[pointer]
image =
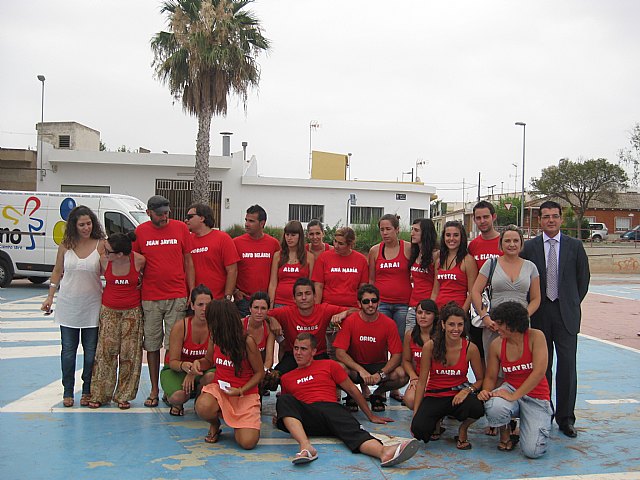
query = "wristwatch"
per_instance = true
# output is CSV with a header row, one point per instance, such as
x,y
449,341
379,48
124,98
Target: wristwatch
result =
x,y
383,376
229,297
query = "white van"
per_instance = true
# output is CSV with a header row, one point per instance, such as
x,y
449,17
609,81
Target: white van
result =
x,y
32,225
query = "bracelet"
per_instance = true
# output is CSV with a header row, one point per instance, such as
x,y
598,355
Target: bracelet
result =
x,y
54,285
485,315
472,389
181,369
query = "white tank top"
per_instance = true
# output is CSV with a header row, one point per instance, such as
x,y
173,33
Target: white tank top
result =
x,y
80,295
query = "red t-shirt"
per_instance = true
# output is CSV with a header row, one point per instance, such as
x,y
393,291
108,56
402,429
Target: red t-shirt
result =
x,y
448,376
392,276
341,276
453,286
482,250
516,372
164,248
211,253
254,267
422,283
262,345
416,355
225,371
287,276
122,292
293,323
191,351
368,342
315,383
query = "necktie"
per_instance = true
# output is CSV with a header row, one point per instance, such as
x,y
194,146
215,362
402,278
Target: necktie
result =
x,y
552,271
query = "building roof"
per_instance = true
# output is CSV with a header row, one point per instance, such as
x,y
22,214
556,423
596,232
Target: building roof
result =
x,y
624,201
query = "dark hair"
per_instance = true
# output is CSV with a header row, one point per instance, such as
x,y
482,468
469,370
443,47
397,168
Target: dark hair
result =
x,y
451,309
71,236
260,296
294,226
226,330
393,219
303,281
314,222
512,315
484,204
550,204
204,211
307,336
368,288
348,234
201,289
462,249
121,242
428,242
427,305
262,214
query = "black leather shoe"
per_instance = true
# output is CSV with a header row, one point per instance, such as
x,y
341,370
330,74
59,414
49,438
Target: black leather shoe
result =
x,y
569,430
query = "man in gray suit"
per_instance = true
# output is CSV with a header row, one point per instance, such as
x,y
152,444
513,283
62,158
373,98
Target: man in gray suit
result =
x,y
564,281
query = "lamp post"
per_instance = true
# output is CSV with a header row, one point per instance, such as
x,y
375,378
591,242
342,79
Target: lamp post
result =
x,y
524,132
42,172
313,125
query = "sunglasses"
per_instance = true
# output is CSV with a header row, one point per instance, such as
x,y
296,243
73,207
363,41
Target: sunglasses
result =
x,y
190,216
367,301
108,252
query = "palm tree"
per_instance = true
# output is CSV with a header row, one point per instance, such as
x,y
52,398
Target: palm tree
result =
x,y
209,51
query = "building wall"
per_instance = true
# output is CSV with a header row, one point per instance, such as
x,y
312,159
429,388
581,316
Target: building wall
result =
x,y
329,166
608,217
17,169
81,137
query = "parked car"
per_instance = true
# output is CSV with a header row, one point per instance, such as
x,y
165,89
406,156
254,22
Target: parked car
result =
x,y
598,231
632,235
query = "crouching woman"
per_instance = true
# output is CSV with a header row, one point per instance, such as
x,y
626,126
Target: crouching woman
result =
x,y
233,394
522,353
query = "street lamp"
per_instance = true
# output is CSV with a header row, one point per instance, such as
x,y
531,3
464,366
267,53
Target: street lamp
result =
x,y
42,172
313,125
524,132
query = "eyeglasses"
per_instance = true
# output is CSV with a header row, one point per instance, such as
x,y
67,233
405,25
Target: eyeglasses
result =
x,y
367,301
108,252
555,216
189,216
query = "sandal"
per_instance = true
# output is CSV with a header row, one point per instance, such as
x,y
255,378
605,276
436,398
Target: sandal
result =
x,y
436,436
67,402
176,411
124,405
377,403
506,446
304,456
165,400
397,396
151,402
462,444
350,404
93,404
491,431
213,437
84,400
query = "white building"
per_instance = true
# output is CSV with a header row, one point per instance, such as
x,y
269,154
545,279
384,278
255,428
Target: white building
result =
x,y
235,184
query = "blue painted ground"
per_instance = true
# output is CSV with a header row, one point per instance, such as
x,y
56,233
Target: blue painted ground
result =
x,y
41,439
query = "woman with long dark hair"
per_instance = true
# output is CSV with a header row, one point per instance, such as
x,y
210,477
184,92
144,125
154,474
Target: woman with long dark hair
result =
x,y
444,366
289,264
423,260
233,394
77,271
119,351
457,270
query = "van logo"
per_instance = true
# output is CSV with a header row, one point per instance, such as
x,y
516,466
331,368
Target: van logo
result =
x,y
35,224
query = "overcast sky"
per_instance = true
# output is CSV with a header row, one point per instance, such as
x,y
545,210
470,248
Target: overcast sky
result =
x,y
443,81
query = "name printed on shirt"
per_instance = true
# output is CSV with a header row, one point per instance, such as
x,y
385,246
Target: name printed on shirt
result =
x,y
518,368
448,372
390,265
419,270
367,339
200,250
192,353
291,269
256,254
486,256
224,362
344,270
417,354
121,282
301,328
447,276
304,379
165,241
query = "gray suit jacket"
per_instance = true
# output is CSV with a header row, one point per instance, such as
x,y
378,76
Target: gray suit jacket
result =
x,y
573,281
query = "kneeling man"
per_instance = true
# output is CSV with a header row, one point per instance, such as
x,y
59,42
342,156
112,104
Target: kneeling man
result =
x,y
308,406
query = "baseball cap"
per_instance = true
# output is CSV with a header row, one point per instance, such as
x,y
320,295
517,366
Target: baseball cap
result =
x,y
158,204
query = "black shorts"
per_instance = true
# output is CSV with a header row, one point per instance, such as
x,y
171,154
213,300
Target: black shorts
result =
x,y
289,363
371,368
323,419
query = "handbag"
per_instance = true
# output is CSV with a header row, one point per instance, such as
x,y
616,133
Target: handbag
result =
x,y
476,321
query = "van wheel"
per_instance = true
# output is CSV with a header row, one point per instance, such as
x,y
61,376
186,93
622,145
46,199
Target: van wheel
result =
x,y
597,238
5,274
38,280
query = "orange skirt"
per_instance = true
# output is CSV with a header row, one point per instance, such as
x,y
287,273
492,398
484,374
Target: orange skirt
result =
x,y
237,412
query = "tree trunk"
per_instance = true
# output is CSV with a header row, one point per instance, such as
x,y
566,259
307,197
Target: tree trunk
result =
x,y
200,192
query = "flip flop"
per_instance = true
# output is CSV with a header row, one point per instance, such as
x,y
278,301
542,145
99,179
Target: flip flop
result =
x,y
67,402
404,452
398,397
176,411
84,400
124,405
93,404
436,436
462,444
304,456
213,437
506,446
151,402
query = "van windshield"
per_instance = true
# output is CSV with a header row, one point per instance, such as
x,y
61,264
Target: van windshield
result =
x,y
140,217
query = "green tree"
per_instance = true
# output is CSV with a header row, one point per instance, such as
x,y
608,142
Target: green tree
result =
x,y
631,156
209,52
510,216
580,183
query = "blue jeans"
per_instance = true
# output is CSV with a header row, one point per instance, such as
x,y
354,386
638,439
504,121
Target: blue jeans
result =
x,y
243,307
70,339
411,319
396,311
535,419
